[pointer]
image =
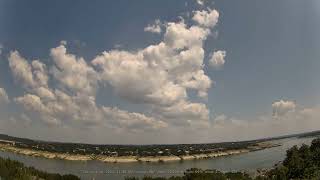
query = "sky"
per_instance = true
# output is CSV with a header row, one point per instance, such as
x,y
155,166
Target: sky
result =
x,y
154,72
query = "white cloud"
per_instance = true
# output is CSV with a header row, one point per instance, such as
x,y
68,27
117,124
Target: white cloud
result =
x,y
21,69
179,36
35,105
132,121
40,75
217,59
3,96
289,119
158,77
72,102
200,2
32,76
172,66
29,76
82,110
73,73
45,93
206,18
155,27
170,70
185,113
63,42
282,107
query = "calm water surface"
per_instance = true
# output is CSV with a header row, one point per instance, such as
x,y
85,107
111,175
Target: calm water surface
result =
x,y
101,171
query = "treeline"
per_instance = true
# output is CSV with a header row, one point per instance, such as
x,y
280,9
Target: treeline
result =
x,y
198,174
300,163
127,150
14,170
309,134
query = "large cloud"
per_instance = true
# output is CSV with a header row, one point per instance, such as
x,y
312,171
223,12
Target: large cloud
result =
x,y
72,101
73,73
82,110
185,113
24,73
33,77
159,76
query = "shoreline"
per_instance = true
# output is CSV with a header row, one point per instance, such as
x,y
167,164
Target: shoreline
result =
x,y
131,159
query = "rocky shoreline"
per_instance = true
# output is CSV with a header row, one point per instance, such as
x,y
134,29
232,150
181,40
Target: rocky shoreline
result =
x,y
129,159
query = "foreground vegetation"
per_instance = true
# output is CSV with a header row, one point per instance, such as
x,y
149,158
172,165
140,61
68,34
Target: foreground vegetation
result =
x,y
300,163
198,174
14,170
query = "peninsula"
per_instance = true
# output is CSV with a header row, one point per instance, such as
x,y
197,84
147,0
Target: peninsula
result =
x,y
128,153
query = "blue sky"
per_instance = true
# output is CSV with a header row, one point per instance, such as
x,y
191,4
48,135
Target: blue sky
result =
x,y
271,55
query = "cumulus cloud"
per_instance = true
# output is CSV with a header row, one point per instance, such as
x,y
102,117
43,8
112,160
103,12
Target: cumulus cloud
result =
x,y
73,73
159,77
154,28
30,76
200,2
33,77
282,107
185,113
172,66
132,121
217,59
290,118
179,36
63,42
206,18
60,108
34,104
3,96
72,100
81,110
21,69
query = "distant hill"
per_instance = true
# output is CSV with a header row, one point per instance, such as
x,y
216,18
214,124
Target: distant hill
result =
x,y
27,140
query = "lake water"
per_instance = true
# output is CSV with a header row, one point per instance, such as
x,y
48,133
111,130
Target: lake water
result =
x,y
101,171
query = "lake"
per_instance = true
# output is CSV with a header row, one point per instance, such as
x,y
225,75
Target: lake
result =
x,y
100,171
